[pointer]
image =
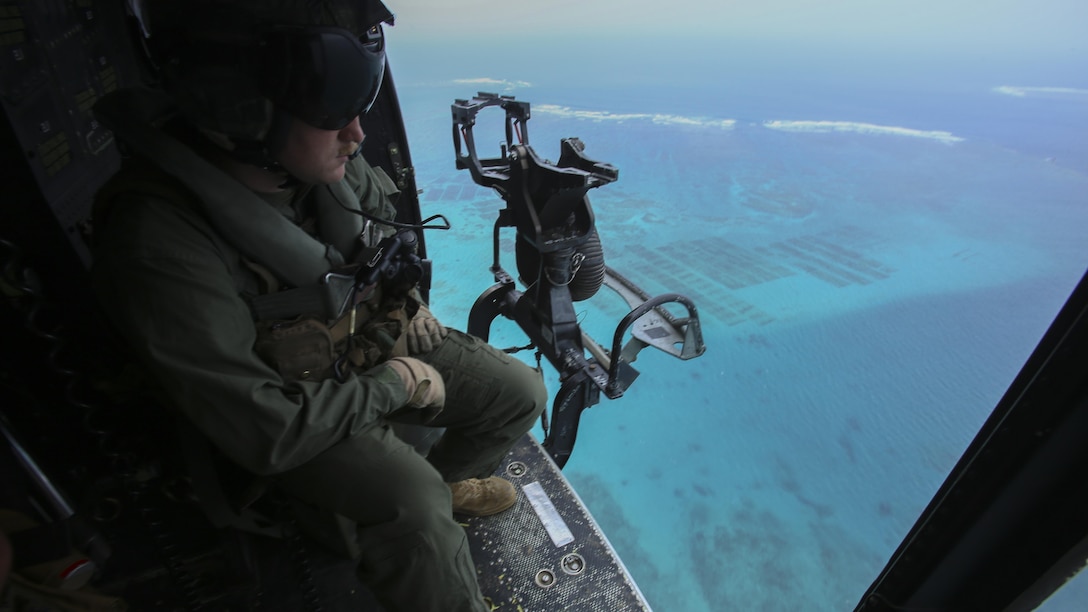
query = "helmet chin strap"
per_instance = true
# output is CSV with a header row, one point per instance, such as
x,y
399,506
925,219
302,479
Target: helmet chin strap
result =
x,y
289,181
274,142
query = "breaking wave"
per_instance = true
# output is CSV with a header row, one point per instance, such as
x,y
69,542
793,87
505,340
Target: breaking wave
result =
x,y
860,128
661,119
505,85
1024,92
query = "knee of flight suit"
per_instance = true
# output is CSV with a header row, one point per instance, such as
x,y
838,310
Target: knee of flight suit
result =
x,y
526,389
493,381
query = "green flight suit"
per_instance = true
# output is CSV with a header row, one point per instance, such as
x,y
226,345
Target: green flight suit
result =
x,y
176,289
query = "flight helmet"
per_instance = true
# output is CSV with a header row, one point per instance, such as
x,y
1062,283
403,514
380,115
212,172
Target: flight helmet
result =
x,y
244,68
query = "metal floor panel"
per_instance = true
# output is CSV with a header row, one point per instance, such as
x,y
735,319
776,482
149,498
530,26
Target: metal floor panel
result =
x,y
519,563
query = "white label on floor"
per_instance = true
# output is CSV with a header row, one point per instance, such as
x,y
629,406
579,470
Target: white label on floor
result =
x,y
553,523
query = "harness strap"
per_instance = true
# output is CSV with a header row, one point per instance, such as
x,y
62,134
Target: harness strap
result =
x,y
331,297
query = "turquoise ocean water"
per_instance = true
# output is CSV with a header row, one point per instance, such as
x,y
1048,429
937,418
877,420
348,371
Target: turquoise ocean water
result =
x,y
873,259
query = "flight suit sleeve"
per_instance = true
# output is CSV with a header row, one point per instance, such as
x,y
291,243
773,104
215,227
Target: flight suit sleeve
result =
x,y
165,280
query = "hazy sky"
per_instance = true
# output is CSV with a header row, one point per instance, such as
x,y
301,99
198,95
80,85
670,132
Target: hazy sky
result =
x,y
1053,26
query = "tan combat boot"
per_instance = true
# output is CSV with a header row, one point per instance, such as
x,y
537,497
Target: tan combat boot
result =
x,y
476,497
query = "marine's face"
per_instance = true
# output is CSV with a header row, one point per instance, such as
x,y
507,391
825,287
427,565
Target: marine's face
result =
x,y
313,155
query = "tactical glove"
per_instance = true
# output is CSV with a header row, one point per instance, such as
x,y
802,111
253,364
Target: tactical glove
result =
x,y
426,391
424,332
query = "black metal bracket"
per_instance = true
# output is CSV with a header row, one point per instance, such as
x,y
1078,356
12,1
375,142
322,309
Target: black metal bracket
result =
x,y
549,207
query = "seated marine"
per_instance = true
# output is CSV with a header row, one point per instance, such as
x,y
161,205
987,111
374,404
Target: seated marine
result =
x,y
227,253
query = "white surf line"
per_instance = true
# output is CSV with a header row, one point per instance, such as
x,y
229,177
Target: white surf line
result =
x,y
505,84
859,128
1023,92
658,118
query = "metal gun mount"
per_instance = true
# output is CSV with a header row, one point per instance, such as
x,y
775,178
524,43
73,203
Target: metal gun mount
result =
x,y
548,205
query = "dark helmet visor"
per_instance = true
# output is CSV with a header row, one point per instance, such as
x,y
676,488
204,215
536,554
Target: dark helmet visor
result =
x,y
324,76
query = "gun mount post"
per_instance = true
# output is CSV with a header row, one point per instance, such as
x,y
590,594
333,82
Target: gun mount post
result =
x,y
549,207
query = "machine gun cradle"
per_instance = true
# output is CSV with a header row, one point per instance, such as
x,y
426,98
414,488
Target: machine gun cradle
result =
x,y
548,205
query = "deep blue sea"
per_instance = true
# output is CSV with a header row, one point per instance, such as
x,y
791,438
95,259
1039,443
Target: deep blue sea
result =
x,y
875,247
